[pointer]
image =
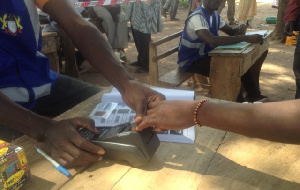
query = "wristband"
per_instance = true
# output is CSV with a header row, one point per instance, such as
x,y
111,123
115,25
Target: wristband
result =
x,y
196,112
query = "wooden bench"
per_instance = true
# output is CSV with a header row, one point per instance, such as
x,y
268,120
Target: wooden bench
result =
x,y
175,77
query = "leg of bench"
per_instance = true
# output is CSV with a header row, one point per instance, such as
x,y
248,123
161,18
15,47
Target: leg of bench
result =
x,y
201,81
153,65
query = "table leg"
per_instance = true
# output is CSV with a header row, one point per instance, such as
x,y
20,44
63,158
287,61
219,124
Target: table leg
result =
x,y
69,53
225,82
53,59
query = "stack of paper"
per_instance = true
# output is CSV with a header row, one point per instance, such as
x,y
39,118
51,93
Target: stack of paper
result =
x,y
260,32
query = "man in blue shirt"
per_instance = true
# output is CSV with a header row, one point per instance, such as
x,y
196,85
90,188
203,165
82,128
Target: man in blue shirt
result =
x,y
200,36
29,90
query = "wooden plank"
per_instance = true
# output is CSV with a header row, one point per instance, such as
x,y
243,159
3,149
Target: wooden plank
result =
x,y
252,164
153,65
167,38
175,78
167,53
225,82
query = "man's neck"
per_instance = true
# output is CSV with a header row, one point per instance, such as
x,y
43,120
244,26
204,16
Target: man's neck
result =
x,y
209,11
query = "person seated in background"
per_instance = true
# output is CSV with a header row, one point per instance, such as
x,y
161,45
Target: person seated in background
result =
x,y
200,36
115,26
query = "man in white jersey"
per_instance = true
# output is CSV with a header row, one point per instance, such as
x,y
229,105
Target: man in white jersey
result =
x,y
200,36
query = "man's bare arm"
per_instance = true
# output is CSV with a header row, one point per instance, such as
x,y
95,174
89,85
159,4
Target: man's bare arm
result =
x,y
274,121
20,119
214,41
90,42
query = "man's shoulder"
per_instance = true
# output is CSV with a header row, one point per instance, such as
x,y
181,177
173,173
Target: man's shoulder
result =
x,y
197,18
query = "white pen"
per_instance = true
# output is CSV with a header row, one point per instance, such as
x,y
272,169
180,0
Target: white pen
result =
x,y
54,163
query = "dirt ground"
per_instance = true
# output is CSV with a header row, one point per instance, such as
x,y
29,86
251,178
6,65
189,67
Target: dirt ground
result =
x,y
276,80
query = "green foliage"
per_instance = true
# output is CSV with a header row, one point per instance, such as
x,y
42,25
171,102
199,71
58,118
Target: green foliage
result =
x,y
184,3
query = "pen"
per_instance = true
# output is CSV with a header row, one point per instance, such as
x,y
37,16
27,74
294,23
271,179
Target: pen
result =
x,y
54,163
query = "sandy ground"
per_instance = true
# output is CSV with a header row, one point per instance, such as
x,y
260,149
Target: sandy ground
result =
x,y
276,80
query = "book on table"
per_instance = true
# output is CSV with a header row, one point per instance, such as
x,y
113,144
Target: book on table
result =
x,y
242,45
237,46
112,111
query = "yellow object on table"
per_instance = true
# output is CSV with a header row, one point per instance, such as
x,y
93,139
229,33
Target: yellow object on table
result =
x,y
14,170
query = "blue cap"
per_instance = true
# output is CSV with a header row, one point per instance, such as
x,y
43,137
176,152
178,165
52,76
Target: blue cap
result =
x,y
63,170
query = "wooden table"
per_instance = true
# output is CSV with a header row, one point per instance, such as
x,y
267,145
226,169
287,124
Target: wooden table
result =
x,y
217,160
49,49
227,67
68,49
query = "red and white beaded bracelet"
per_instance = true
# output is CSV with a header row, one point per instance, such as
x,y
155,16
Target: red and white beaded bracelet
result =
x,y
196,112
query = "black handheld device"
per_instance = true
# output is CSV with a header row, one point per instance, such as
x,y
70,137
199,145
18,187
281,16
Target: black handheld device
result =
x,y
120,143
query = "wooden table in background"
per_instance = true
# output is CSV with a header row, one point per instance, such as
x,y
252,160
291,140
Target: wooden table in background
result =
x,y
49,49
217,160
227,67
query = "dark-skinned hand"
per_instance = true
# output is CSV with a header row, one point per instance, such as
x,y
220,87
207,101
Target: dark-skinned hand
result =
x,y
137,96
164,115
67,147
256,38
289,28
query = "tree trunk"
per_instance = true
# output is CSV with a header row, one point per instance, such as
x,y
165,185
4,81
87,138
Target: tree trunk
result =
x,y
278,33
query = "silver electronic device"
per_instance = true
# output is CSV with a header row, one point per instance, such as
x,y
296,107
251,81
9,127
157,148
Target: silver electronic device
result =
x,y
120,143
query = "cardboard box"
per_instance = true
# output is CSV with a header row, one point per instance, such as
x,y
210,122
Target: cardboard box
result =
x,y
14,170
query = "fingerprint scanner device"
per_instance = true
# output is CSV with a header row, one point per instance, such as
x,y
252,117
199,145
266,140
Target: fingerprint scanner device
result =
x,y
120,143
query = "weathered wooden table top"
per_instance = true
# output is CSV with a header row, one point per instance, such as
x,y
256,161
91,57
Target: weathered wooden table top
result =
x,y
217,160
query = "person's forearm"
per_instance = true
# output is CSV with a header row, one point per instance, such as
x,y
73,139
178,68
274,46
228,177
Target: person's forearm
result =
x,y
101,56
20,119
227,40
278,121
